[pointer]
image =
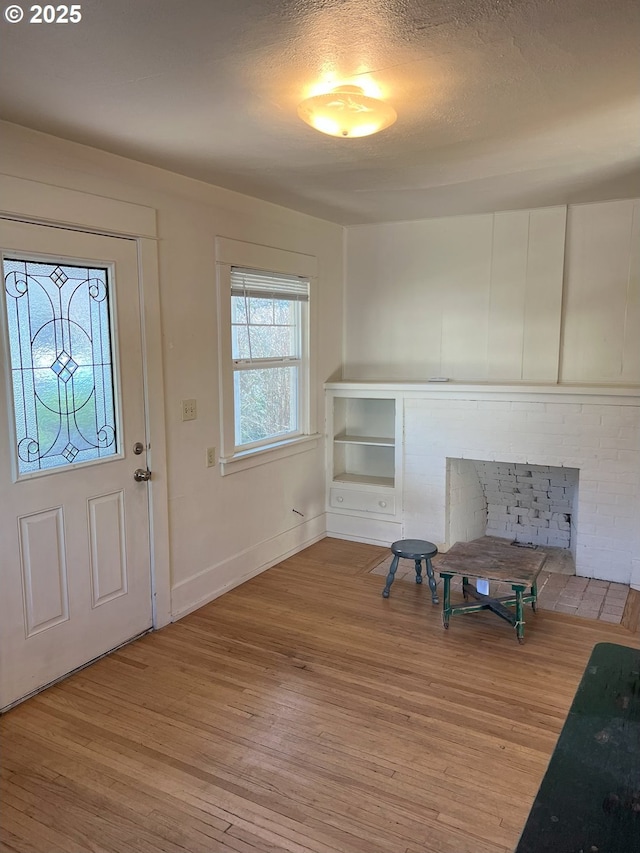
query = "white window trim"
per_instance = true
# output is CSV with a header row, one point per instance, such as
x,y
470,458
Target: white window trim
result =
x,y
250,255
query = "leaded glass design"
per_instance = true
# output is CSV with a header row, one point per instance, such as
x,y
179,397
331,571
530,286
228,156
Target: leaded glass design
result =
x,y
61,363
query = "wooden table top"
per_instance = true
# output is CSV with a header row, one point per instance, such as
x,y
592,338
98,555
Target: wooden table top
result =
x,y
494,559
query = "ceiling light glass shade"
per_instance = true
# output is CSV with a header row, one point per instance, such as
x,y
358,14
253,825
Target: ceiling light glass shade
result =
x,y
346,111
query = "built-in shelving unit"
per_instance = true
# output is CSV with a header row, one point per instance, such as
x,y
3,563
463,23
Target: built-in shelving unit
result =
x,y
362,465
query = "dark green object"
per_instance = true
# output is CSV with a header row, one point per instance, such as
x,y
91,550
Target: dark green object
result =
x,y
589,799
492,559
416,550
499,606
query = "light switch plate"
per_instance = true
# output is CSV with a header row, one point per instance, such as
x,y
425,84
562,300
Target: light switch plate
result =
x,y
211,457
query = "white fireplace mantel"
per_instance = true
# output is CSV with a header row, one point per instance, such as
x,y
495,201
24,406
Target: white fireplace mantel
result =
x,y
620,395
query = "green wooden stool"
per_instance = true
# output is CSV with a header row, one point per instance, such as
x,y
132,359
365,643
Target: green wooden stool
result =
x,y
416,550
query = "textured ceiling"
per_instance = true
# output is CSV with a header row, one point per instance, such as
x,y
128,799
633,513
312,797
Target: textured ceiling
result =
x,y
501,104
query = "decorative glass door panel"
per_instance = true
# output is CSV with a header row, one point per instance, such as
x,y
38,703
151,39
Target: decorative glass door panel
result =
x,y
59,323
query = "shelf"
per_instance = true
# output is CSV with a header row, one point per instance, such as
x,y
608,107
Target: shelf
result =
x,y
371,440
365,479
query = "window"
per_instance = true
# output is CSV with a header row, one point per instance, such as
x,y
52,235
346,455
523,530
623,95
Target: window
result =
x,y
266,347
268,350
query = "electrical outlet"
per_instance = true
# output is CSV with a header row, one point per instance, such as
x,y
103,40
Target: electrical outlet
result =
x,y
211,457
189,411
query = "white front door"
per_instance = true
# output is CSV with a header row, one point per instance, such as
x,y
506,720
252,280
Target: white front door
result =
x,y
74,524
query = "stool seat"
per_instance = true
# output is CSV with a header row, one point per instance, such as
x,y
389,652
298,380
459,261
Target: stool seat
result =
x,y
416,550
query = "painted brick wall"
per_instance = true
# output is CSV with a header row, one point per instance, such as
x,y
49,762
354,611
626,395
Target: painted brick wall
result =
x,y
529,503
602,441
467,504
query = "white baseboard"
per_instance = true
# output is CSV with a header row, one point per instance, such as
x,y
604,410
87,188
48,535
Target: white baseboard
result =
x,y
190,594
348,538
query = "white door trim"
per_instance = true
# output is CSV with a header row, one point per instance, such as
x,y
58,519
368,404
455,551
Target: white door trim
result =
x,y
45,204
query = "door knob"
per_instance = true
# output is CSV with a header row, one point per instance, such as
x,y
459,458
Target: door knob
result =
x,y
141,475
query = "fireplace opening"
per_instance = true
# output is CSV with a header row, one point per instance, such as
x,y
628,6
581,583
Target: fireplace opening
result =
x,y
530,505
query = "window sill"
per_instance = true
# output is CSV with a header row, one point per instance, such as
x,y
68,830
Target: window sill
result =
x,y
270,453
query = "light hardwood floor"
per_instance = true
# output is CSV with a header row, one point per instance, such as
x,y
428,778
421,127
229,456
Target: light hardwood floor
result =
x,y
301,713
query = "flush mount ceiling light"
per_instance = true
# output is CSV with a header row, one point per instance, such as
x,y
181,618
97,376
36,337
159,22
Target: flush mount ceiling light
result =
x,y
346,111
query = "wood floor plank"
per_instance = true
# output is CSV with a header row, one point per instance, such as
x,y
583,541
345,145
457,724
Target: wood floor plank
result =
x,y
299,713
631,614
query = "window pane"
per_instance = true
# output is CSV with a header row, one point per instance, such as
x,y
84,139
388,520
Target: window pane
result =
x,y
61,364
238,309
260,311
284,311
271,329
272,342
266,403
240,342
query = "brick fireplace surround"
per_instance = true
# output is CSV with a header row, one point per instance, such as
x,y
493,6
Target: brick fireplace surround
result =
x,y
593,430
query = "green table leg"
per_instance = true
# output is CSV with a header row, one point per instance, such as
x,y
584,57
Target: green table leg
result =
x,y
446,598
534,593
519,590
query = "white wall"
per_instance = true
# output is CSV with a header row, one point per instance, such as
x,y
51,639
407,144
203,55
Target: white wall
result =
x,y
490,297
222,529
601,335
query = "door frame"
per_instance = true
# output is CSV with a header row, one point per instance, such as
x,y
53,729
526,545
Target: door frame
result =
x,y
44,204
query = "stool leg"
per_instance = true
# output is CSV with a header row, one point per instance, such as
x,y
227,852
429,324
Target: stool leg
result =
x,y
418,571
391,576
432,581
534,593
